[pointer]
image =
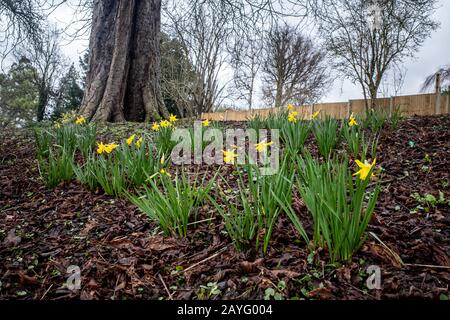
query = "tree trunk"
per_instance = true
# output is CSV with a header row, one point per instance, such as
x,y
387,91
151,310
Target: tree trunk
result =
x,y
42,102
123,82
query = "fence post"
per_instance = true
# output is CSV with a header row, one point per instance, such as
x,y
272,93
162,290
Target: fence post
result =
x,y
226,115
438,103
391,106
312,110
349,108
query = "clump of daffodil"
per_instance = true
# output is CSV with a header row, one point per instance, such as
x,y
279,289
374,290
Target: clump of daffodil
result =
x,y
315,114
106,148
131,139
173,118
364,168
80,120
57,125
262,146
155,126
292,116
290,107
352,121
68,117
165,124
229,156
205,123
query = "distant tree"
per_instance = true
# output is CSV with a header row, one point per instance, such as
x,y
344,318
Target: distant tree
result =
x,y
246,60
178,77
444,77
294,70
83,63
69,94
48,61
367,38
19,95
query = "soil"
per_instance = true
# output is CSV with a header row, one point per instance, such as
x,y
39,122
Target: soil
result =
x,y
121,255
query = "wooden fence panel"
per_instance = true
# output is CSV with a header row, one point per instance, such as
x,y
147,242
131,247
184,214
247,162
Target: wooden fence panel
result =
x,y
419,104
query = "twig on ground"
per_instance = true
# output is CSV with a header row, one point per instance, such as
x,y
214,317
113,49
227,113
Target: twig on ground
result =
x,y
165,287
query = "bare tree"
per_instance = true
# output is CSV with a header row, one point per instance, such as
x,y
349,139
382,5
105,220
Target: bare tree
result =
x,y
20,20
294,70
367,38
246,60
203,33
48,61
178,77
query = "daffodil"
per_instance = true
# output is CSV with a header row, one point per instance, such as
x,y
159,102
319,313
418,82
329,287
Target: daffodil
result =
x,y
262,146
290,107
111,147
163,171
138,142
80,120
205,123
131,139
101,148
229,156
315,114
163,160
173,118
165,124
155,126
57,125
364,168
352,121
292,117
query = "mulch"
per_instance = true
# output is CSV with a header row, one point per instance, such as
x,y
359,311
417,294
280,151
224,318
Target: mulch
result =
x,y
122,255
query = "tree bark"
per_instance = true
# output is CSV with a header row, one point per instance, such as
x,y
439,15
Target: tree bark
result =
x,y
123,81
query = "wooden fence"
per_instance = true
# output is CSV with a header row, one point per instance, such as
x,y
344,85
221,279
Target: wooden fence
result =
x,y
420,105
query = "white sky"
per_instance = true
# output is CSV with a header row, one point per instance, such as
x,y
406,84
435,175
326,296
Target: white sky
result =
x,y
433,54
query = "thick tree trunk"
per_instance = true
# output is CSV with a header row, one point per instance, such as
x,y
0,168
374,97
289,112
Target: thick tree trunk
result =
x,y
123,82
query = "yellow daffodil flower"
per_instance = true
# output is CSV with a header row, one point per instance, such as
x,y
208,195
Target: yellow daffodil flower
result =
x,y
290,107
131,139
101,148
364,168
165,124
292,117
57,125
205,123
138,143
262,146
163,171
352,121
173,118
111,147
155,126
229,156
315,114
80,120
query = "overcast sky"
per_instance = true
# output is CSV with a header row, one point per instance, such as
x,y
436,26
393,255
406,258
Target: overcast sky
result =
x,y
433,54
